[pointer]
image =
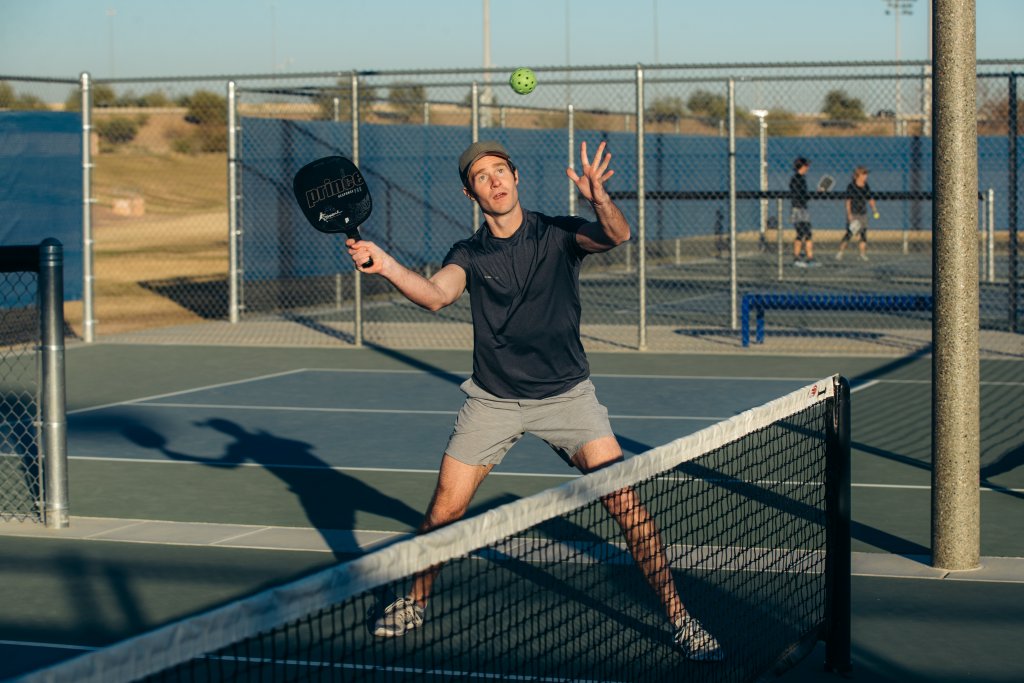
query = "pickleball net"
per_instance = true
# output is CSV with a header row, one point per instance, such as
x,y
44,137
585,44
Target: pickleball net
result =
x,y
753,515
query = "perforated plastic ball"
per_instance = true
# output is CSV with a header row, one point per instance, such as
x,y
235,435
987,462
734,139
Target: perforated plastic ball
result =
x,y
523,81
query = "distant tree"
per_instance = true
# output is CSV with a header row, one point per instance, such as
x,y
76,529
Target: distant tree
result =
x,y
338,98
117,130
9,99
783,123
994,114
468,99
840,106
208,111
207,108
102,95
708,104
155,98
407,99
26,101
666,109
6,95
73,102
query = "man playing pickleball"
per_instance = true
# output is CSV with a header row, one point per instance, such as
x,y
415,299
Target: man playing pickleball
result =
x,y
530,372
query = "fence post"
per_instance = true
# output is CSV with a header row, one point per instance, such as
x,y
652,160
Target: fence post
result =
x,y
956,425
641,218
234,286
571,129
53,416
88,278
357,324
474,116
1011,200
990,241
733,322
779,237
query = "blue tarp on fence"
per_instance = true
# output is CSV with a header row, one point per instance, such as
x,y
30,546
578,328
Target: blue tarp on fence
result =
x,y
419,209
41,187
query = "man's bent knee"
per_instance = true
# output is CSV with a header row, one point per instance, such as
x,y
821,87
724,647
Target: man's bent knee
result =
x,y
597,454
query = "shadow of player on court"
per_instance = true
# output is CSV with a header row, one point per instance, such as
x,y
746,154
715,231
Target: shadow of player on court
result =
x,y
329,497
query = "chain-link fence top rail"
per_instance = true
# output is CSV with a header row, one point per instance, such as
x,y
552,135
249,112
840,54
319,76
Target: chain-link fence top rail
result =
x,y
170,266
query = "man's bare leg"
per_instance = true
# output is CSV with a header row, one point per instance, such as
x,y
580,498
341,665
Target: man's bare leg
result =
x,y
648,550
457,483
642,535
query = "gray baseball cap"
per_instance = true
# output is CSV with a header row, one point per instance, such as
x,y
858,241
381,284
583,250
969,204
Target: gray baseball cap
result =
x,y
479,149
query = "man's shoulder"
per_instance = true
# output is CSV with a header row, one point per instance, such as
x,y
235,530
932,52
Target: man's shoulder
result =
x,y
567,223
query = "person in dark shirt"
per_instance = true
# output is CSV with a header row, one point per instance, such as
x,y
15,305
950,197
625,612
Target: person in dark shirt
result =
x,y
800,215
858,198
530,373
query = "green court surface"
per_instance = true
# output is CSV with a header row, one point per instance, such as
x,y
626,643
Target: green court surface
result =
x,y
154,537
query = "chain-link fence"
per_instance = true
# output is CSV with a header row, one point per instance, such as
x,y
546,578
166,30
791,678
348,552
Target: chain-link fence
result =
x,y
33,425
196,238
20,476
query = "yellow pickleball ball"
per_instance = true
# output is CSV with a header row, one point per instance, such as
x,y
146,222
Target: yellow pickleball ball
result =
x,y
523,81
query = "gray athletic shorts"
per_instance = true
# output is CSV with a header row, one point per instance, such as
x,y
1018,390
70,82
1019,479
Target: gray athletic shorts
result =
x,y
487,426
801,220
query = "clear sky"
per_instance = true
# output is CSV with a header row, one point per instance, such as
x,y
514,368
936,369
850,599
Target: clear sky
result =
x,y
138,38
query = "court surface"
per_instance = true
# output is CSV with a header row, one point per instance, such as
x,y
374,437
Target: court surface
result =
x,y
200,474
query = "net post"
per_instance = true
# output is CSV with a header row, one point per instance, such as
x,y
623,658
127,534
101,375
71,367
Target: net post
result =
x,y
52,408
837,558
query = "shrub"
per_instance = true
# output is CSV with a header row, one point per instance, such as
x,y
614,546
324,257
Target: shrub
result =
x,y
117,130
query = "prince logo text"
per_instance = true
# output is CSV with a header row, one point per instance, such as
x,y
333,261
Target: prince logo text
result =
x,y
333,188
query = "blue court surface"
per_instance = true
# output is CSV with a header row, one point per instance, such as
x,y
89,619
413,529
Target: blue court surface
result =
x,y
398,420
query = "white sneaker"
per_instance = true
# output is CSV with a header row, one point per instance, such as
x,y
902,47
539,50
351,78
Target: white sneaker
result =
x,y
399,617
696,642
864,257
839,256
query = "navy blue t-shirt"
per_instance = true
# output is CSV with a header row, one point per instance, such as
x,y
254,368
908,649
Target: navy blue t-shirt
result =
x,y
525,299
799,194
859,197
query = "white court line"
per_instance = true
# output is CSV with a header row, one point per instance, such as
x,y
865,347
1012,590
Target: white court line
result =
x,y
926,487
285,466
984,383
185,391
52,646
295,409
598,374
395,411
854,390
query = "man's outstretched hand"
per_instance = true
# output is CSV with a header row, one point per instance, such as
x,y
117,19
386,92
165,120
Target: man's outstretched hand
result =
x,y
591,183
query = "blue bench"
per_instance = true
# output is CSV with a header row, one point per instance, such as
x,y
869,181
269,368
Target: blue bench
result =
x,y
759,303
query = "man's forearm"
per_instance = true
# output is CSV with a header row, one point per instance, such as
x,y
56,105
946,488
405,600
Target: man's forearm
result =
x,y
612,222
414,286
